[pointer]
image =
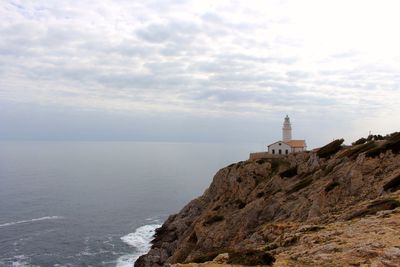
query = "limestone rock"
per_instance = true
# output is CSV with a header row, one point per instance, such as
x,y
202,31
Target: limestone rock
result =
x,y
334,210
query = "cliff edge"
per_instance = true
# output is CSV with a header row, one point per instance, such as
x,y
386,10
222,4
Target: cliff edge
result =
x,y
337,206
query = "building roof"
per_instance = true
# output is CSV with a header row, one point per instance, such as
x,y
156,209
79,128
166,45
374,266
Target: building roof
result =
x,y
278,142
296,143
292,143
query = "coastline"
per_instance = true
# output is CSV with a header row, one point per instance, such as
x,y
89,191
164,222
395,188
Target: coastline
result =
x,y
295,210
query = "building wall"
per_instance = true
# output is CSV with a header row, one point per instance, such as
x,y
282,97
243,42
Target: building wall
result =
x,y
284,149
262,155
298,149
286,134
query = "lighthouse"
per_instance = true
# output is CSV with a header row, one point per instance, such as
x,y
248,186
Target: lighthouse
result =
x,y
283,147
286,130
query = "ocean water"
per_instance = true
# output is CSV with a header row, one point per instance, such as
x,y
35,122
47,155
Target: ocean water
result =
x,y
97,203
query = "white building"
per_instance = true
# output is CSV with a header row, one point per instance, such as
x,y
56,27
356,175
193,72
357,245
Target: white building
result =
x,y
287,145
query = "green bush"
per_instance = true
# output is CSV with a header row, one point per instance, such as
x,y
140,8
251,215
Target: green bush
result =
x,y
330,149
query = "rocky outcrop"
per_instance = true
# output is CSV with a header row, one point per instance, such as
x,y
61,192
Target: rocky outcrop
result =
x,y
310,208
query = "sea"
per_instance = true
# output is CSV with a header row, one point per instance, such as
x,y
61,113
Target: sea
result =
x,y
98,203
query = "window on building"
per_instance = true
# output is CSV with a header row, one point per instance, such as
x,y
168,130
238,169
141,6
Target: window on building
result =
x,y
287,151
273,151
280,151
280,144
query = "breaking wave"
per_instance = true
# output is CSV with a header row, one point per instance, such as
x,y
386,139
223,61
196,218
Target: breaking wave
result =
x,y
31,220
140,241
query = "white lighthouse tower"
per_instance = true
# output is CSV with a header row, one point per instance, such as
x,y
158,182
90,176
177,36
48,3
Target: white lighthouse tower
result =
x,y
286,130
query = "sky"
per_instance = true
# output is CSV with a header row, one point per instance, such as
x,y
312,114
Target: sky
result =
x,y
198,71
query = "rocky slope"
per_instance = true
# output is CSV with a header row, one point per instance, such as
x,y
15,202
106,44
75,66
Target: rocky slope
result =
x,y
338,206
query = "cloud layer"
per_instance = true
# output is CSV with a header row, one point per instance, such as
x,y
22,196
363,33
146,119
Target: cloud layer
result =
x,y
250,59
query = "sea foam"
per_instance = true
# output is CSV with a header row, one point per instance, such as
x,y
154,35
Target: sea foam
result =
x,y
31,220
140,240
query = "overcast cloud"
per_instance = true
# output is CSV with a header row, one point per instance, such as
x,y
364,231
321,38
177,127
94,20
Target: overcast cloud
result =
x,y
198,70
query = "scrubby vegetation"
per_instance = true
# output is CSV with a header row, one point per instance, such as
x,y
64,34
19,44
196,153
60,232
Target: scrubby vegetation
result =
x,y
330,149
329,187
370,137
205,257
384,204
276,164
375,137
260,194
213,219
261,161
358,149
392,143
240,204
216,207
374,207
360,141
312,228
251,258
393,184
289,172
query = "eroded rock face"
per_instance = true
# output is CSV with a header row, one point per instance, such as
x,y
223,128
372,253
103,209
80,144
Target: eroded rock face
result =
x,y
255,205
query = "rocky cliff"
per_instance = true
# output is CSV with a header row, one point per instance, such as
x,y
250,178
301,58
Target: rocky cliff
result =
x,y
337,206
